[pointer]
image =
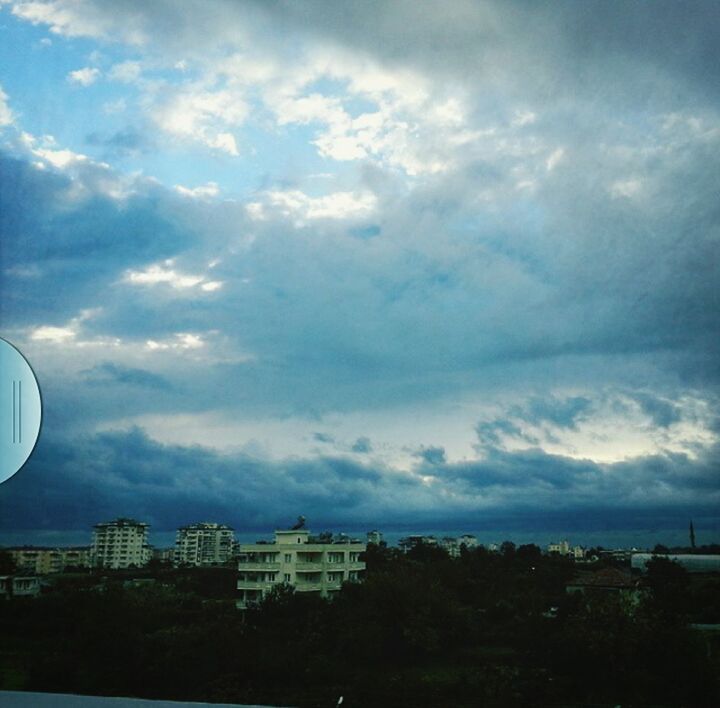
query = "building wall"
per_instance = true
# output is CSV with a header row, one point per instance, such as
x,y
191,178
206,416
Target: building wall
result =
x,y
43,560
204,544
120,544
308,567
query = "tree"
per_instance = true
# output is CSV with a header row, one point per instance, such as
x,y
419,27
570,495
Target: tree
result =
x,y
7,564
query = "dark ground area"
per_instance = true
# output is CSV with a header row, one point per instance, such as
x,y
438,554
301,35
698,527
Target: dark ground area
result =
x,y
422,630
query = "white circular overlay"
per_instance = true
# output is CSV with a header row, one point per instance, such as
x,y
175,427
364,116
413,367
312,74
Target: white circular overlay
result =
x,y
20,410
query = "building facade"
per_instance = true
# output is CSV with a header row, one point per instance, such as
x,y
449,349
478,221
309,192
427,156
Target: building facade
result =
x,y
43,560
204,544
292,560
120,544
19,586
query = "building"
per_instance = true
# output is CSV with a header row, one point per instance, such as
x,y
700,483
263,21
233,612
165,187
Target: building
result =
x,y
561,548
606,580
409,542
19,586
204,544
454,546
291,559
43,560
120,544
375,537
166,556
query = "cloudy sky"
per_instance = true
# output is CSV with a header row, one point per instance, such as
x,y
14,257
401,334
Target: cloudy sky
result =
x,y
377,263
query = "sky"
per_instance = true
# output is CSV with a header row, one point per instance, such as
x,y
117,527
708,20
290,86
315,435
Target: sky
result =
x,y
441,264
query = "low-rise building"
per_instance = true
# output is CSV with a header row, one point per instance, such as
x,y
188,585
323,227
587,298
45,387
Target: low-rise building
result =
x,y
164,555
19,586
410,542
204,544
44,560
375,537
120,544
561,548
291,559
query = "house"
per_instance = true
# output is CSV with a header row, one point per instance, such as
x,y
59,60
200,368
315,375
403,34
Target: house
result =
x,y
603,580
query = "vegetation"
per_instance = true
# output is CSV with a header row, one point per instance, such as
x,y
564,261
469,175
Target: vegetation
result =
x,y
422,630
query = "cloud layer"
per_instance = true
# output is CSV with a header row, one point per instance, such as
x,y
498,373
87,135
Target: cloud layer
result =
x,y
457,262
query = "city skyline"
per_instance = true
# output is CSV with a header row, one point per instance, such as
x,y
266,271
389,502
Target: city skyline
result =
x,y
438,268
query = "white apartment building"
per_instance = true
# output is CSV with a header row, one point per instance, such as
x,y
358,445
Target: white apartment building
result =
x,y
291,559
120,544
204,544
562,548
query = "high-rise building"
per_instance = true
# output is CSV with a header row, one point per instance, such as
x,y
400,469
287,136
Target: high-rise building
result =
x,y
292,560
120,544
204,544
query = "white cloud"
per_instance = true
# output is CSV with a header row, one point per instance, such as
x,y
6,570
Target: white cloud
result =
x,y
77,18
297,204
194,113
6,116
210,189
181,340
84,77
60,158
166,274
126,72
65,334
53,334
554,159
626,188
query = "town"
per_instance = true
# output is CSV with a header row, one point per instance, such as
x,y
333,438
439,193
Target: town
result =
x,y
214,619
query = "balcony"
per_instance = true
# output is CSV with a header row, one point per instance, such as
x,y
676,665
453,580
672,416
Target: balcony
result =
x,y
258,566
255,584
308,587
308,567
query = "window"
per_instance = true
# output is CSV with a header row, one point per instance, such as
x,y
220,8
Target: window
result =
x,y
288,557
287,577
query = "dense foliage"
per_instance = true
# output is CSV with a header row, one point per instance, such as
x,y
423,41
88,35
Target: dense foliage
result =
x,y
422,630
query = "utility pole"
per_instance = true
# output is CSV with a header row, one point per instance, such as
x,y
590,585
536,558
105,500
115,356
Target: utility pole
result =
x,y
692,535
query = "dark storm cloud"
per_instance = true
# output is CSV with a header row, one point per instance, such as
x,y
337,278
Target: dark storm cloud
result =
x,y
565,413
78,247
432,455
74,483
362,445
108,372
129,141
547,48
662,412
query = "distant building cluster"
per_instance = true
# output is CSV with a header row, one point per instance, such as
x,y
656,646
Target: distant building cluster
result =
x,y
295,558
452,546
563,548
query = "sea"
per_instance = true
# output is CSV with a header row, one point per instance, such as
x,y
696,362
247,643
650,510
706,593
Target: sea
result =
x,y
639,539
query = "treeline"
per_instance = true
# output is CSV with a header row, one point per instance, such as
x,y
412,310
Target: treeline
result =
x,y
423,629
